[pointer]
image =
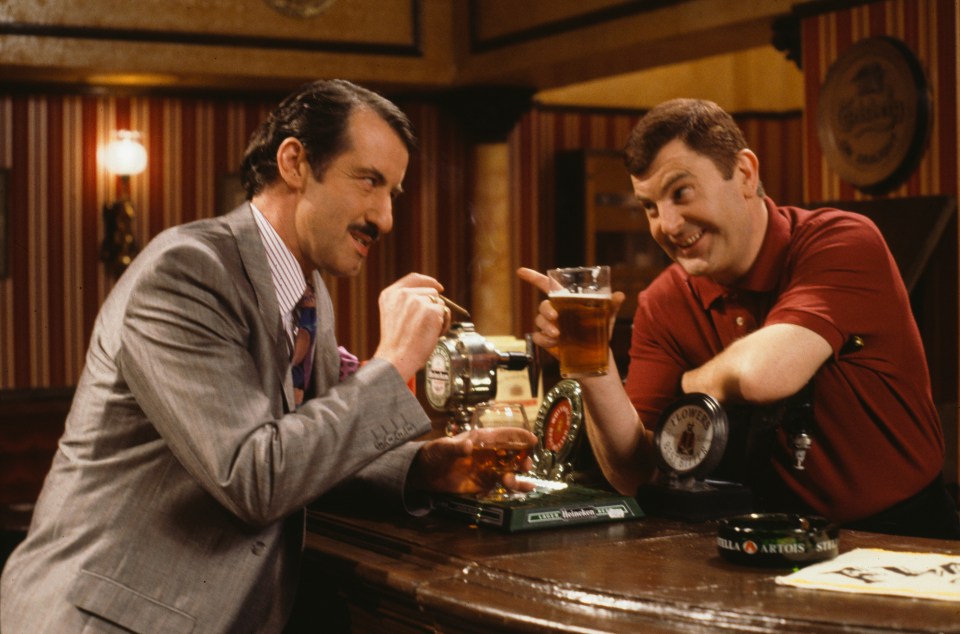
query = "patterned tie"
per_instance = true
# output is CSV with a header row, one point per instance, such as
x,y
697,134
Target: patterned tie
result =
x,y
302,359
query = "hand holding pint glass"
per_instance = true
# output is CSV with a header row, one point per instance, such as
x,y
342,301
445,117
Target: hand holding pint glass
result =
x,y
581,296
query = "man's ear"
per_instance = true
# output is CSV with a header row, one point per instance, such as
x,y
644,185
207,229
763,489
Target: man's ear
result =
x,y
748,171
292,163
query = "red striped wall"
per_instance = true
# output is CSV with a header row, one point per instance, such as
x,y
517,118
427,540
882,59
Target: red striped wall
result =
x,y
48,146
56,283
929,28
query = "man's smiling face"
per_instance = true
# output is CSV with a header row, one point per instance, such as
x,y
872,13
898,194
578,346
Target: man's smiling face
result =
x,y
701,219
339,217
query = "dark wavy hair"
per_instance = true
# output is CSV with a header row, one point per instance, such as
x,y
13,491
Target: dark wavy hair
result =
x,y
702,125
316,115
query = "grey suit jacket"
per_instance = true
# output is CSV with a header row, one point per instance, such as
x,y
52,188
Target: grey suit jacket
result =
x,y
175,500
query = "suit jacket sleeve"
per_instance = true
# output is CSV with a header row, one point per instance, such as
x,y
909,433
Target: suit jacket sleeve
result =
x,y
209,371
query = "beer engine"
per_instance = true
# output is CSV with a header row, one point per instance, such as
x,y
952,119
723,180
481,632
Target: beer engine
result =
x,y
692,438
689,442
461,374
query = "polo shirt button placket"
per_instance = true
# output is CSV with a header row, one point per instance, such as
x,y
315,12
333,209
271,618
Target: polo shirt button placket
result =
x,y
743,325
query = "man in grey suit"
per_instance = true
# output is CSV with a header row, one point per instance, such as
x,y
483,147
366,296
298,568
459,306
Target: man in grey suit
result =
x,y
175,501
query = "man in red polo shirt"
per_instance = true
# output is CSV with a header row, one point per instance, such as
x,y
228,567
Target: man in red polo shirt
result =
x,y
761,302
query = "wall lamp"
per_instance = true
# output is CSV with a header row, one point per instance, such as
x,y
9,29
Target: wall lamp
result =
x,y
124,157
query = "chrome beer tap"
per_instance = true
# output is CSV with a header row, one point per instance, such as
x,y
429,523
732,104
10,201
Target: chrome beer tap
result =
x,y
462,373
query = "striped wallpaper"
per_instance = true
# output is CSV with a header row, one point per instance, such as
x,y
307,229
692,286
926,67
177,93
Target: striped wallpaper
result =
x,y
48,142
56,192
55,282
929,28
534,144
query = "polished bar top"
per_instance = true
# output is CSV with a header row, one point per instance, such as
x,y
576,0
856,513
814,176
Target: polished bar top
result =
x,y
644,575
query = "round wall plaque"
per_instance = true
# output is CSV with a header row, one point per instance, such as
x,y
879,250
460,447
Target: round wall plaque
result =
x,y
874,114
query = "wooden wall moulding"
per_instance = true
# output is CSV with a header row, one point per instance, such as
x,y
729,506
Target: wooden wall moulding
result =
x,y
401,44
498,23
300,8
375,23
31,423
245,44
488,114
874,114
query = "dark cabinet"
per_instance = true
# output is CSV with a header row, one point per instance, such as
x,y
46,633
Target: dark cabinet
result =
x,y
598,221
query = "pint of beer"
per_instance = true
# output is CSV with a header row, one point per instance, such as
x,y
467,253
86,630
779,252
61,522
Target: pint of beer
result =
x,y
581,296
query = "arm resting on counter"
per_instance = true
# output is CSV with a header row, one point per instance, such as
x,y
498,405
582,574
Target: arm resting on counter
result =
x,y
765,366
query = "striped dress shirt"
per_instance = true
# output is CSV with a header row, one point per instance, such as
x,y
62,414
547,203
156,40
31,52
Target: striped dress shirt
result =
x,y
288,279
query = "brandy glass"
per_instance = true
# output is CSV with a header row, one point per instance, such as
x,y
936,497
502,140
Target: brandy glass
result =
x,y
504,452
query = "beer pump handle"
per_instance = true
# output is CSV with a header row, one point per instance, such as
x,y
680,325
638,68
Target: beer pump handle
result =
x,y
520,360
514,360
533,369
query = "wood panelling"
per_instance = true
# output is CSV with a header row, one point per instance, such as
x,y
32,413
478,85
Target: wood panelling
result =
x,y
57,189
355,23
31,422
534,144
549,48
421,44
237,44
498,23
758,79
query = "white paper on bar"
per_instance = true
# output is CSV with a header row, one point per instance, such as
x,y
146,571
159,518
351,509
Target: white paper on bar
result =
x,y
876,571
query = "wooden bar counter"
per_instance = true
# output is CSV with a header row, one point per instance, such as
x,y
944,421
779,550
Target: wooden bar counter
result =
x,y
388,573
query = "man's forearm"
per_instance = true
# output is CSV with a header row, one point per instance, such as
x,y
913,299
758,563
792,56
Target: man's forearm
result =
x,y
621,443
765,366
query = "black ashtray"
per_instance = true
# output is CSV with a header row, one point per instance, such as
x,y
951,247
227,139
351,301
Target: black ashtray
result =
x,y
777,540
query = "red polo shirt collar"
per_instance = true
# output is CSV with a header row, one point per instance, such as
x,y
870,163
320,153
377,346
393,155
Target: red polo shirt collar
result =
x,y
764,275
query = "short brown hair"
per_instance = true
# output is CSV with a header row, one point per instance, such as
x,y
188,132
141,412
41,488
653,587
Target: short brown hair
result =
x,y
317,115
702,125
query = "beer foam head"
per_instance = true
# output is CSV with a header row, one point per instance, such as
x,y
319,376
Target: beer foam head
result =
x,y
566,293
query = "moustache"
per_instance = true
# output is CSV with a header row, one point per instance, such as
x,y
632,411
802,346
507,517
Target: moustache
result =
x,y
369,229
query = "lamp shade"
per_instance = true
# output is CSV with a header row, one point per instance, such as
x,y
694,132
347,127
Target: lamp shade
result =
x,y
125,155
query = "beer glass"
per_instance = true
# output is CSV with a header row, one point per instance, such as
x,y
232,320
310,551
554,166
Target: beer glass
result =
x,y
494,459
581,297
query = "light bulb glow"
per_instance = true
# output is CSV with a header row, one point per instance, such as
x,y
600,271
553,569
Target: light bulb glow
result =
x,y
125,155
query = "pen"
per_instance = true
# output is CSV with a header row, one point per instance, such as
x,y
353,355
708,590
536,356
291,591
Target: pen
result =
x,y
452,305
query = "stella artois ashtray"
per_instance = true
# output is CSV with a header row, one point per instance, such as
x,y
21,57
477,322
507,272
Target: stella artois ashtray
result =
x,y
777,540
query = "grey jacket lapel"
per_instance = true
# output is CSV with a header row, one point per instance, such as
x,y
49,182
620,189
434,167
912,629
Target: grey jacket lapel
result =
x,y
326,356
257,269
